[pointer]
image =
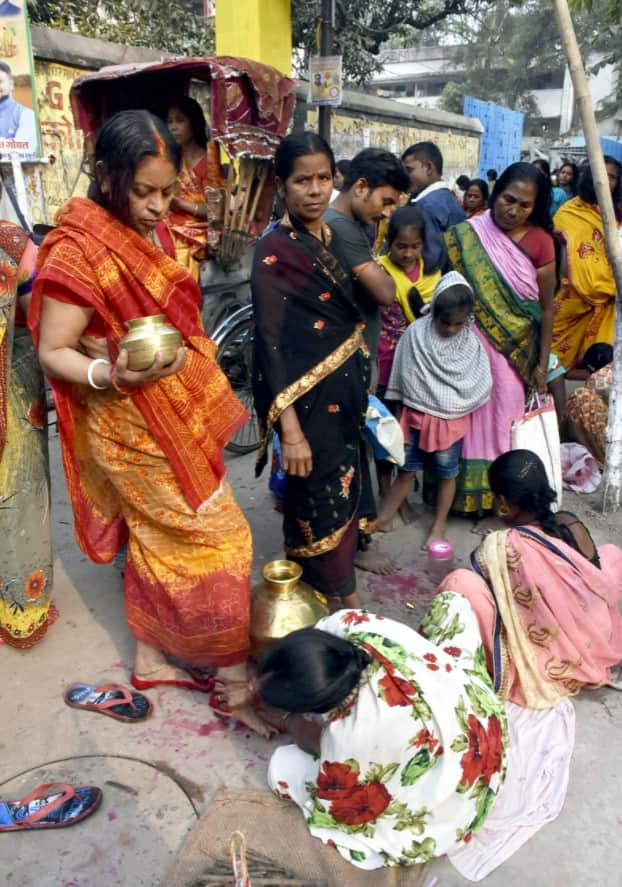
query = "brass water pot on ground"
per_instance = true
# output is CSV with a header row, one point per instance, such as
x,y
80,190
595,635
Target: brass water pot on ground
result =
x,y
147,336
281,604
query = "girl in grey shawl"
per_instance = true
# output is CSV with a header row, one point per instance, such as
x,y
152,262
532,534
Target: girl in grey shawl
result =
x,y
440,375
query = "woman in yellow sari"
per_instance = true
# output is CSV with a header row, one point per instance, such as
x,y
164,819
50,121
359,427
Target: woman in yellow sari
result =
x,y
585,301
200,169
143,450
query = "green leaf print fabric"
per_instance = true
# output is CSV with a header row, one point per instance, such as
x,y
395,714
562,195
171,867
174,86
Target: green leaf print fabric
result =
x,y
412,768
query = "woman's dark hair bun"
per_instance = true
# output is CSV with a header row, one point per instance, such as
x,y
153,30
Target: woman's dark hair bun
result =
x,y
310,670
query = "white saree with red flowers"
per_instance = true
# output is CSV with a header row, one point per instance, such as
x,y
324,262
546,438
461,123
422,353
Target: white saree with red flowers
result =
x,y
409,769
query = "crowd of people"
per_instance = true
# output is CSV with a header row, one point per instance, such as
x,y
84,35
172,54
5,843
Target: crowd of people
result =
x,y
404,741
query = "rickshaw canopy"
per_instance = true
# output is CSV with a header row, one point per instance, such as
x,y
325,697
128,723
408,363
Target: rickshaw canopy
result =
x,y
251,104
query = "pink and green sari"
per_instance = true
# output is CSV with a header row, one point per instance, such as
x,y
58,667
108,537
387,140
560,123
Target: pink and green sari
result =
x,y
548,616
507,320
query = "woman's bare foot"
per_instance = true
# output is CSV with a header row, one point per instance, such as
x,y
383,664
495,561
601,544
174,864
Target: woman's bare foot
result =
x,y
252,719
165,672
387,526
436,534
235,694
234,699
406,512
151,664
375,561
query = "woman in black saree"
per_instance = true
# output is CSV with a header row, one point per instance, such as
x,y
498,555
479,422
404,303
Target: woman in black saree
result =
x,y
311,372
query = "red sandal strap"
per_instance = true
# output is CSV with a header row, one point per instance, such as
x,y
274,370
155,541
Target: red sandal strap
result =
x,y
39,793
125,699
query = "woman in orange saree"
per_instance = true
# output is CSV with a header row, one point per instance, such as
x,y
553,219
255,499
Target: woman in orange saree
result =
x,y
143,450
546,598
200,169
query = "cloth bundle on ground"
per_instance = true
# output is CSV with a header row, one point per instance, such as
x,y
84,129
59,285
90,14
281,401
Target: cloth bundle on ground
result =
x,y
579,468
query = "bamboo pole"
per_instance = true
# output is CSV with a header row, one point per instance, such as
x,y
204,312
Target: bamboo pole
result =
x,y
612,480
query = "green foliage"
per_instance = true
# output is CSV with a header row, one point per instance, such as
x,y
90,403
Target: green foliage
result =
x,y
452,97
609,10
363,26
501,49
606,39
173,27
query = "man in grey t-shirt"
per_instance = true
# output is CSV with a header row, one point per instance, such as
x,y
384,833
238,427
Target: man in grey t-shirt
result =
x,y
372,189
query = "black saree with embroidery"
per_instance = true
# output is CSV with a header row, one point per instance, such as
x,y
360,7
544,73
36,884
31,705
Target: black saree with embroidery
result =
x,y
309,353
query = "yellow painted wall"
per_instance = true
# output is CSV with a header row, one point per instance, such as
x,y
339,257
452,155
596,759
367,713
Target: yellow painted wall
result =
x,y
256,29
349,135
60,139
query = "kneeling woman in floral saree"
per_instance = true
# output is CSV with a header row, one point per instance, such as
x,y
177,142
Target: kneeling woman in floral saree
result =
x,y
408,753
546,598
311,372
143,450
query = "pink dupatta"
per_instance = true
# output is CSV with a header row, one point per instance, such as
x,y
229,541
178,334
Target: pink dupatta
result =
x,y
549,618
509,260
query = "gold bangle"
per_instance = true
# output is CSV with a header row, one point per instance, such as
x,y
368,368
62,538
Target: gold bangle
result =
x,y
293,443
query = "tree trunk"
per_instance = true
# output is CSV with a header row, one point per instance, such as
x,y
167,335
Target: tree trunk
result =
x,y
612,480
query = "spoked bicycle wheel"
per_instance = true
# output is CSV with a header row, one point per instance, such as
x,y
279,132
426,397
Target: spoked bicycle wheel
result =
x,y
235,358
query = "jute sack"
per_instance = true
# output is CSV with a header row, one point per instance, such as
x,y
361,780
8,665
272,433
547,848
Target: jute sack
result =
x,y
280,851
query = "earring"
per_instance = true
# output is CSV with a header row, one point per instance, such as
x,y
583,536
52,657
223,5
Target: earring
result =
x,y
503,511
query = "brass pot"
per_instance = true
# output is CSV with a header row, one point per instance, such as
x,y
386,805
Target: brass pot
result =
x,y
281,604
147,336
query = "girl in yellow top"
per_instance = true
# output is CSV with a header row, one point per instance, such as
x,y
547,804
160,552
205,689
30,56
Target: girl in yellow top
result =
x,y
414,286
414,283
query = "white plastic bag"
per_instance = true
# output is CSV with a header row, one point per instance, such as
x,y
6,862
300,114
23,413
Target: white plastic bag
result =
x,y
384,433
538,431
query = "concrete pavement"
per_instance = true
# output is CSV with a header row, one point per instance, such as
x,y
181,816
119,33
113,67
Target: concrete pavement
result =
x,y
158,776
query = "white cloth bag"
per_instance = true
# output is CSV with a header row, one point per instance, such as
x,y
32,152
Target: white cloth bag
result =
x,y
538,431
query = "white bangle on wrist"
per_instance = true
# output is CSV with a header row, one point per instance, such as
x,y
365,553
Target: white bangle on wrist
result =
x,y
89,373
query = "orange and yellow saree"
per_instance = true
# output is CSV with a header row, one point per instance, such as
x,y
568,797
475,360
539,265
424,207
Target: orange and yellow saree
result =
x,y
189,232
149,464
585,302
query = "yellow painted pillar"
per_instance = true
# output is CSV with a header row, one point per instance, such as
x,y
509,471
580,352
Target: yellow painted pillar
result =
x,y
256,29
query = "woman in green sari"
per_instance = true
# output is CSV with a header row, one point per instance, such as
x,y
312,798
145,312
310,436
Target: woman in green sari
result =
x,y
26,551
508,256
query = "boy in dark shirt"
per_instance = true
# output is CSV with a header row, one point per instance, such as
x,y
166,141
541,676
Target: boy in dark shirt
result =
x,y
424,164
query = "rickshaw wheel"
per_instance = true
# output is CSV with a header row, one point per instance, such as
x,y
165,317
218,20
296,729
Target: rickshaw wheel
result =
x,y
235,358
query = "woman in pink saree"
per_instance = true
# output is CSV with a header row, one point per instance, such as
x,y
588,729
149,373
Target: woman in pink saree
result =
x,y
546,598
508,256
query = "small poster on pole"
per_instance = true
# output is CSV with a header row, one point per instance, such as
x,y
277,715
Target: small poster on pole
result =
x,y
325,84
19,130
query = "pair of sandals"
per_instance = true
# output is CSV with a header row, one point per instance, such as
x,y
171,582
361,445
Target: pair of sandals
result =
x,y
58,804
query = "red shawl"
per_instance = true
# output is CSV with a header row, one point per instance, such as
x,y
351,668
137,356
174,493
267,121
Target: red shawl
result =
x,y
121,275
